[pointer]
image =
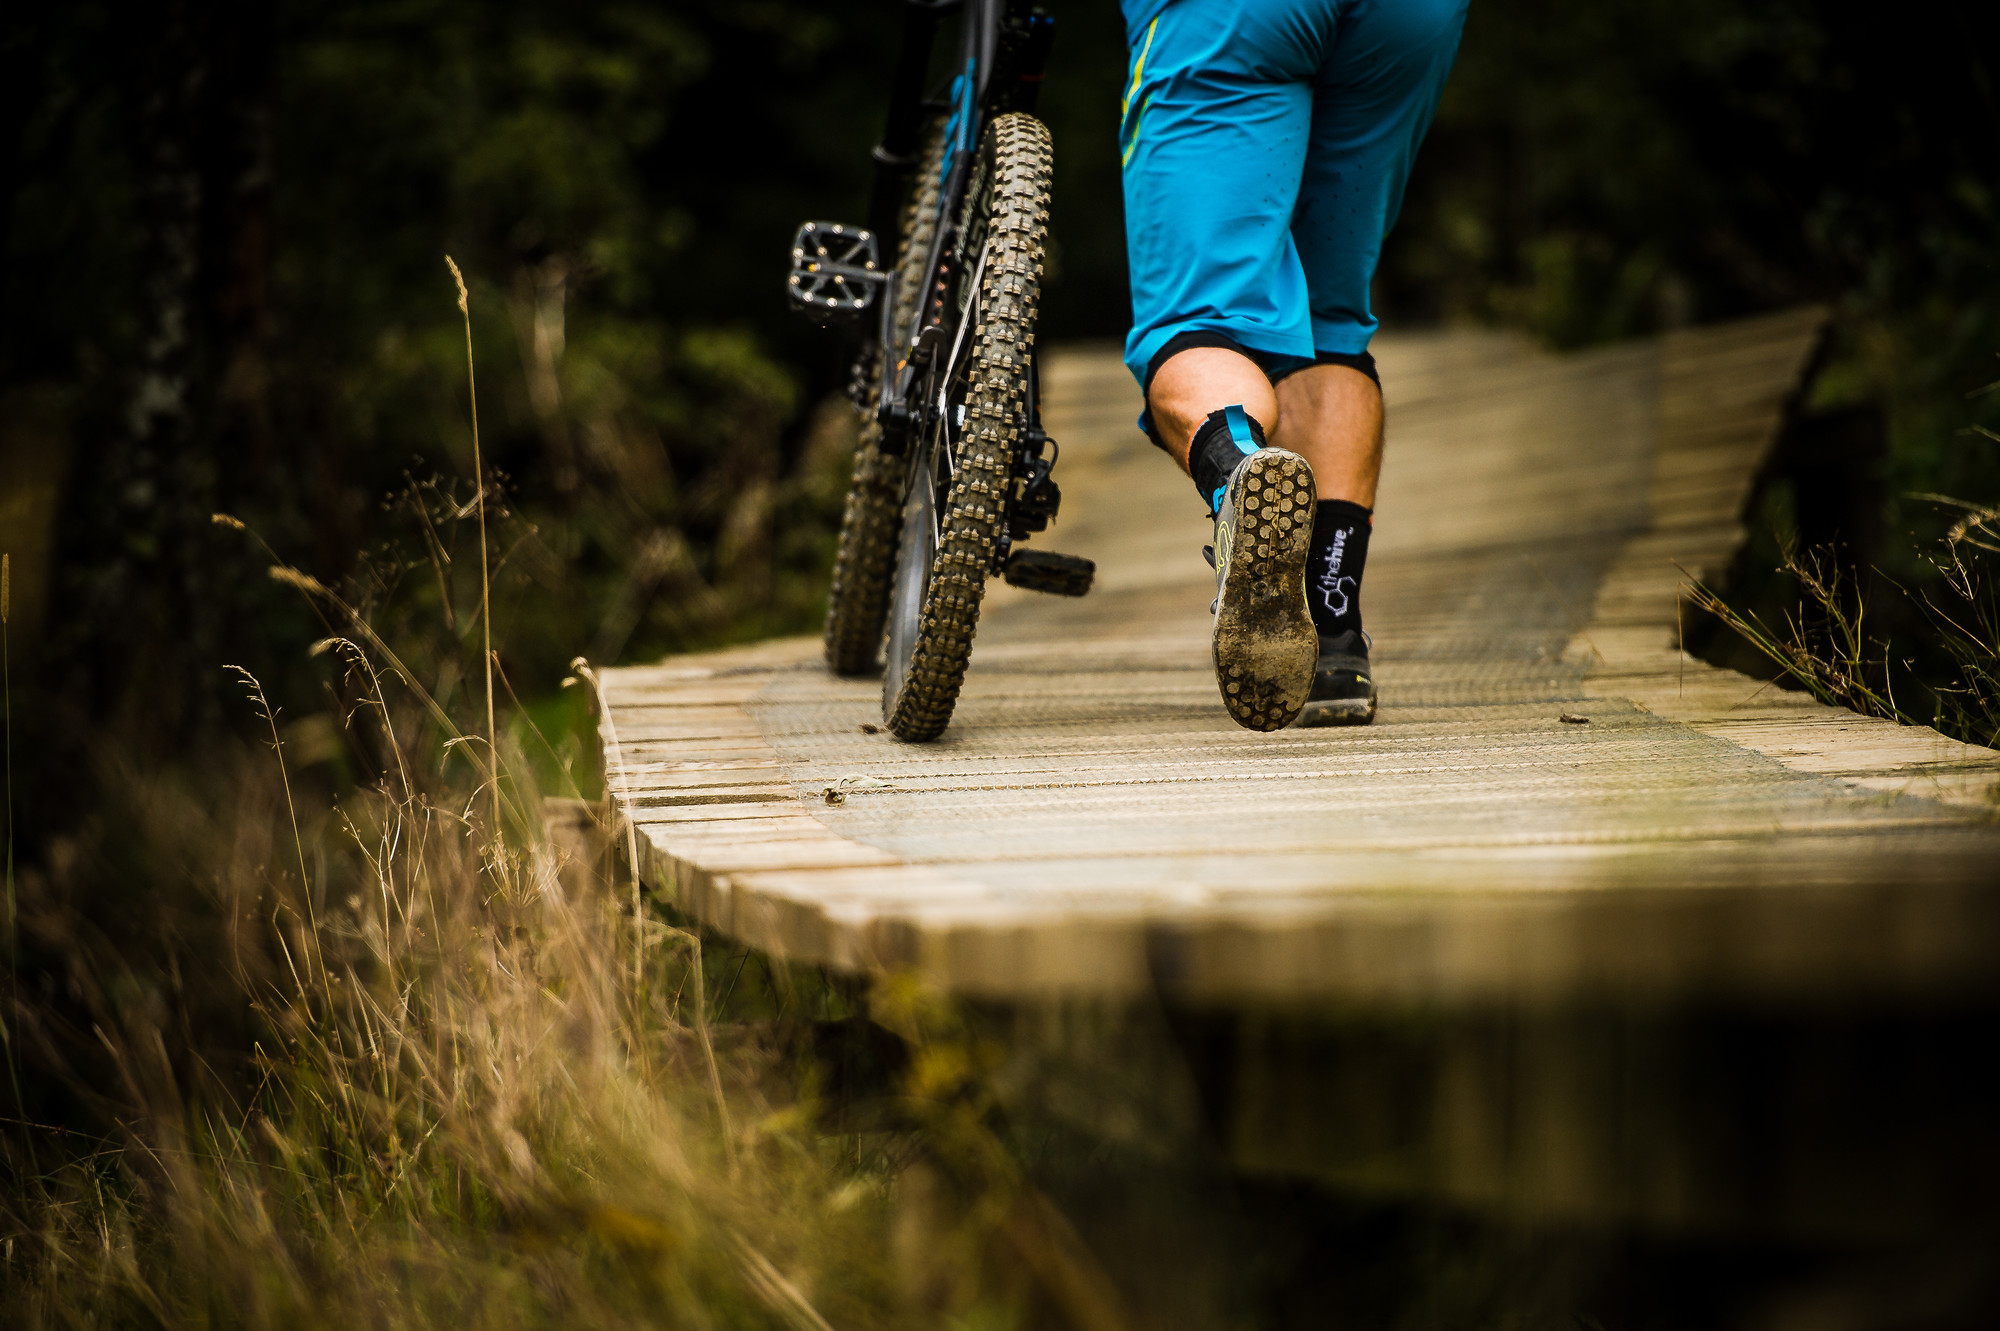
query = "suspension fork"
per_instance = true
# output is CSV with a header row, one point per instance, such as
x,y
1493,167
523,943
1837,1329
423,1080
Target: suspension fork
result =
x,y
1002,45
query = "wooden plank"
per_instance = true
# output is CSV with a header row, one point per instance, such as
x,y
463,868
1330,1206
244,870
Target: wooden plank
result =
x,y
1092,823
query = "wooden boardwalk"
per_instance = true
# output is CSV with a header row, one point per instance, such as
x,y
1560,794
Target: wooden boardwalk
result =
x,y
1093,823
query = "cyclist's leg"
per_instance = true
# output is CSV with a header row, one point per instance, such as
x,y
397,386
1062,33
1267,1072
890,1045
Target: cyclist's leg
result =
x,y
1331,415
1197,381
1217,113
1373,101
1217,116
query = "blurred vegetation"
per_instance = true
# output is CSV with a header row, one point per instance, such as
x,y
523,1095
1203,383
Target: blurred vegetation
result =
x,y
1599,171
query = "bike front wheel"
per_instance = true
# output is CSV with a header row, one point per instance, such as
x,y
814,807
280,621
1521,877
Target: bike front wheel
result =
x,y
961,470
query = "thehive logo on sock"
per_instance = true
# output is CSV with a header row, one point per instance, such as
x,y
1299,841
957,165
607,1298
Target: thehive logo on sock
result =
x,y
1336,591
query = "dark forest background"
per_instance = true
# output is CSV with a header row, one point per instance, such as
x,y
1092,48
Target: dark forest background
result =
x,y
224,287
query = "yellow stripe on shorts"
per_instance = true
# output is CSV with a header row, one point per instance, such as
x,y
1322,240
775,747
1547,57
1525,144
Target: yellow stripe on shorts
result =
x,y
1125,105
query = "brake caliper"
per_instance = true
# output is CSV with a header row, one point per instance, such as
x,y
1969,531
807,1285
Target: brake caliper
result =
x,y
1036,495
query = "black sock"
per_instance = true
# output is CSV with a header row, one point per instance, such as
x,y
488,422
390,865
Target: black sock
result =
x,y
1223,440
1333,574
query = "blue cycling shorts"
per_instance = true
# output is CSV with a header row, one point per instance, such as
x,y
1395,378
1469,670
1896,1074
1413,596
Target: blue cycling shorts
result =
x,y
1266,146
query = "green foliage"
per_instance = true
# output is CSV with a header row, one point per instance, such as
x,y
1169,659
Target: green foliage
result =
x,y
1597,171
527,139
1604,171
618,182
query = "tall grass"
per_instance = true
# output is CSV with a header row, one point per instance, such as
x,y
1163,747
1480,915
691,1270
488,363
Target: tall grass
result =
x,y
458,1103
458,1109
476,1085
1965,619
461,1107
7,693
1824,644
485,569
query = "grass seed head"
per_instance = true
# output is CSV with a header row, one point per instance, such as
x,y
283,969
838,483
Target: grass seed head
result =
x,y
458,278
305,582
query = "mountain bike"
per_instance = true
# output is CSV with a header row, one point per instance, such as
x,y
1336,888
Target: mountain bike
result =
x,y
952,471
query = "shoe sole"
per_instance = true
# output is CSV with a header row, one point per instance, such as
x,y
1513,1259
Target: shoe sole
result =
x,y
1338,712
1264,644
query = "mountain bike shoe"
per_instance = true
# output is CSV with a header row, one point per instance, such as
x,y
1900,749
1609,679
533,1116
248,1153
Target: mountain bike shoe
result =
x,y
1264,642
1343,686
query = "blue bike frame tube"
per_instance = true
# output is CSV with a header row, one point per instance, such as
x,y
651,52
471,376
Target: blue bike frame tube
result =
x,y
978,34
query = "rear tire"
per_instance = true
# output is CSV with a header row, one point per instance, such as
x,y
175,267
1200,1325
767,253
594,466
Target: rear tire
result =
x,y
936,605
864,559
858,599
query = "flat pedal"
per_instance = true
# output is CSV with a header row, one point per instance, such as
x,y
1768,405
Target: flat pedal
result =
x,y
1048,571
836,271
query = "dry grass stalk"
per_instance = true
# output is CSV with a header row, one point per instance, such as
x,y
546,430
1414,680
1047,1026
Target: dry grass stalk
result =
x,y
1833,658
1825,647
461,1111
469,1104
464,1110
485,574
1967,623
7,690
485,1093
255,688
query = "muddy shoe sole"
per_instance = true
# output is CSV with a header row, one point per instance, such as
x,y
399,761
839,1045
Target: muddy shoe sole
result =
x,y
1264,642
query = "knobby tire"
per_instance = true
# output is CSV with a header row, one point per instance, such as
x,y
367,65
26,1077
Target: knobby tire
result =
x,y
864,560
973,516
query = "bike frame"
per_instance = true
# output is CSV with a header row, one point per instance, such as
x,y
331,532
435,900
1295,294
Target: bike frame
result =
x,y
934,353
1002,47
